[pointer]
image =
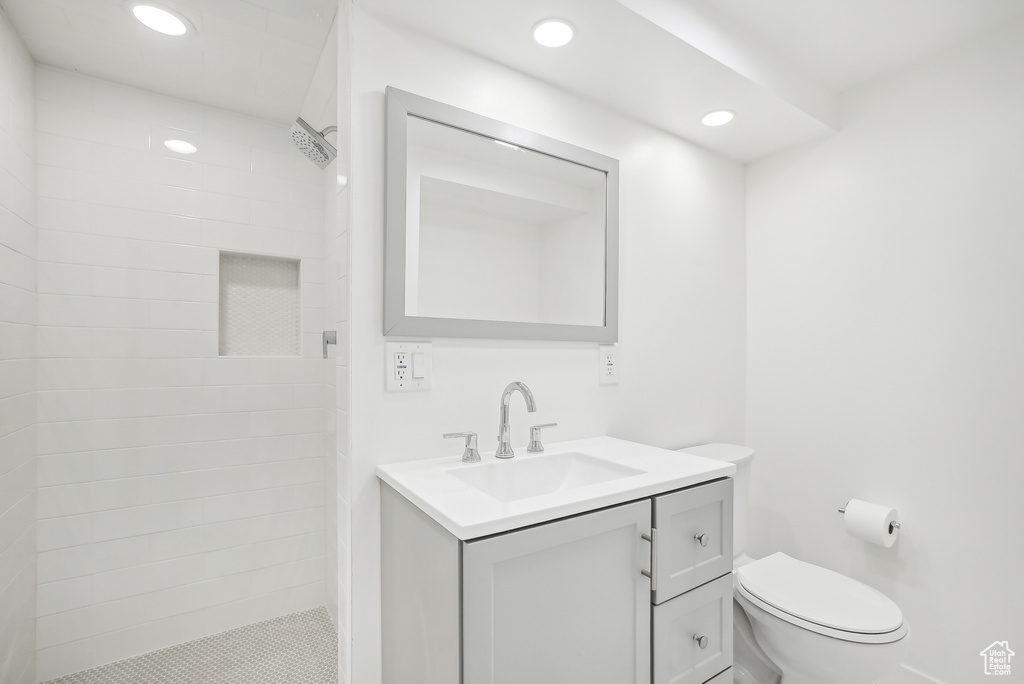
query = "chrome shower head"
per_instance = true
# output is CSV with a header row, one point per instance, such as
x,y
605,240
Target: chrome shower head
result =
x,y
313,144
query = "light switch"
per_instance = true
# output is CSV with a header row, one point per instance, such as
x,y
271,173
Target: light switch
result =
x,y
407,366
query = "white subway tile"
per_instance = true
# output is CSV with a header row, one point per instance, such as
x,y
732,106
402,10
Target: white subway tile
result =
x,y
200,483
177,173
63,88
57,597
201,539
79,561
263,554
290,523
89,497
63,659
155,459
266,475
288,216
64,279
72,625
192,597
170,315
288,575
262,502
60,469
147,579
178,345
217,207
159,285
142,402
139,520
64,532
17,341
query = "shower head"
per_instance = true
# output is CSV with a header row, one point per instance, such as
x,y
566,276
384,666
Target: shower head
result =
x,y
313,144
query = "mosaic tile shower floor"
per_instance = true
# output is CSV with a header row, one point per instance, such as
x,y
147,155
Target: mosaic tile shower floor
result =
x,y
301,648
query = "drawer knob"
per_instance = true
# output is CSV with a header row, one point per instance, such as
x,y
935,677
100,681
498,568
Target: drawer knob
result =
x,y
701,539
702,641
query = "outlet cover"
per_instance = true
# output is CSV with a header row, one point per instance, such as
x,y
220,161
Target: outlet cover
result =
x,y
408,366
607,364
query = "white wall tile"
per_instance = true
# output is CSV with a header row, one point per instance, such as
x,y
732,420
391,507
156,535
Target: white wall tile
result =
x,y
155,452
201,539
18,413
140,520
146,579
64,532
57,597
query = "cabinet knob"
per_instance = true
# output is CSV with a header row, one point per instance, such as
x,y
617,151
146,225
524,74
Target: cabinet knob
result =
x,y
701,539
702,641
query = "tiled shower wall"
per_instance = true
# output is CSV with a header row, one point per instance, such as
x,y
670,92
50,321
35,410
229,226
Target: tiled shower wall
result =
x,y
17,361
180,493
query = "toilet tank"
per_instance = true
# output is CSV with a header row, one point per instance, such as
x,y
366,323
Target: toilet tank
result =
x,y
741,456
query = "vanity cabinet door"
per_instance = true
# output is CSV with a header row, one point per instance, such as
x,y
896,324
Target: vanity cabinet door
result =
x,y
560,603
693,634
694,537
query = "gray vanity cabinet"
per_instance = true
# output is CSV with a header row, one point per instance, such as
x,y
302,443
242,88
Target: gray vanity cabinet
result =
x,y
563,601
559,602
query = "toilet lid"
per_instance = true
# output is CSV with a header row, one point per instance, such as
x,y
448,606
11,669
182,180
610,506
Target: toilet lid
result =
x,y
819,596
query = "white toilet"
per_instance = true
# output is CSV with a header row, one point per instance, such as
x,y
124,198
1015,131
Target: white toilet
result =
x,y
797,623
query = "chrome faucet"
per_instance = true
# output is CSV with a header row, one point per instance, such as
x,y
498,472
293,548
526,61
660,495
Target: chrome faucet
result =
x,y
504,447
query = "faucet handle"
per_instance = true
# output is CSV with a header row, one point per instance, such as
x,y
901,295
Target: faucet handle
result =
x,y
470,455
535,446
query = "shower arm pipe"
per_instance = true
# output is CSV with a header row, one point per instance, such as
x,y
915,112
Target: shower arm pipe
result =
x,y
329,129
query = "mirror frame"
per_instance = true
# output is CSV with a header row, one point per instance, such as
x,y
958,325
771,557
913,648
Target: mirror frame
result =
x,y
400,106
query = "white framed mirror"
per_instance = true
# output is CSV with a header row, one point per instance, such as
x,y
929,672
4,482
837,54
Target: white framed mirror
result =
x,y
494,231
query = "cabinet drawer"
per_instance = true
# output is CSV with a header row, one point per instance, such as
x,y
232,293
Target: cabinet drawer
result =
x,y
704,612
694,537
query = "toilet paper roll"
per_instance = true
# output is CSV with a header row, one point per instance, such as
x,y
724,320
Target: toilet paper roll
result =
x,y
871,522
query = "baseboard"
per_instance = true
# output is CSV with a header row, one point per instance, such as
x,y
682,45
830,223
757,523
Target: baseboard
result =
x,y
905,674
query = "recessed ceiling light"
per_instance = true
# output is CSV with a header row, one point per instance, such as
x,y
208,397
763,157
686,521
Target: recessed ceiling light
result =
x,y
180,146
553,32
719,117
162,20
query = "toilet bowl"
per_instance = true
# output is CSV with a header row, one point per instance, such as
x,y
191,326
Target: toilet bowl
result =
x,y
797,623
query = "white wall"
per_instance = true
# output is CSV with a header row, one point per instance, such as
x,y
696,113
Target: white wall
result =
x,y
682,297
17,361
180,494
886,329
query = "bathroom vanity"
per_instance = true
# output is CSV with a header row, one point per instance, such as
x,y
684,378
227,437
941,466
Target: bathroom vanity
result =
x,y
608,562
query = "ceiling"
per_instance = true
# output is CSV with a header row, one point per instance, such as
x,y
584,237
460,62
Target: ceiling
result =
x,y
256,57
780,65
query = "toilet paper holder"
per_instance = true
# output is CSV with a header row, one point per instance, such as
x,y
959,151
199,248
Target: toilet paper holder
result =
x,y
893,525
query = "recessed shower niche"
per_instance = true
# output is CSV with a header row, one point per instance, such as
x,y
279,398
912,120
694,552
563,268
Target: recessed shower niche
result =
x,y
260,305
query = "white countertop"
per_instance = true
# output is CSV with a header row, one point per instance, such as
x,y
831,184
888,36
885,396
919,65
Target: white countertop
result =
x,y
468,512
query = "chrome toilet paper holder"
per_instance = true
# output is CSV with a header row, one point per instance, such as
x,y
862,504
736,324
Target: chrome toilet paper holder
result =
x,y
892,526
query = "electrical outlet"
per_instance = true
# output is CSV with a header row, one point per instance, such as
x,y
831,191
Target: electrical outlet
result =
x,y
607,364
408,366
401,366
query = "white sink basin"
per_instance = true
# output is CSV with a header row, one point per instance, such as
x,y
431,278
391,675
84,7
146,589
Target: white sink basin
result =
x,y
522,479
476,499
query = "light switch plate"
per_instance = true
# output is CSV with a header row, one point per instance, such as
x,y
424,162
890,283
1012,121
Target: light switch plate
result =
x,y
408,366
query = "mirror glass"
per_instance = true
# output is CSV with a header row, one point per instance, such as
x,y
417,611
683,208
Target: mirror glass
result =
x,y
493,231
